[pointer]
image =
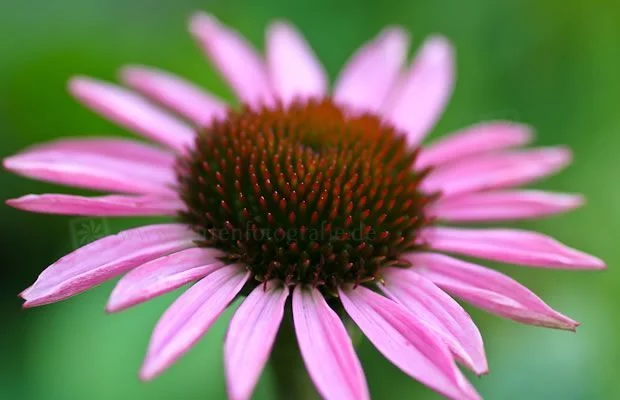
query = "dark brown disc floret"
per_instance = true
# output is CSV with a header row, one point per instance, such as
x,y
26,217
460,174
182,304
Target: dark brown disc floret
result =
x,y
306,193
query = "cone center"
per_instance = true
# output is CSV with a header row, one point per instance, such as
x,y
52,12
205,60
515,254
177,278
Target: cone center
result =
x,y
306,193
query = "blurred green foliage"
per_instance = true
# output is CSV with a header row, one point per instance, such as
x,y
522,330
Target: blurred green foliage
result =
x,y
552,64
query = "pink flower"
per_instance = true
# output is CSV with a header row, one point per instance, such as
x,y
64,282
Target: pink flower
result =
x,y
294,161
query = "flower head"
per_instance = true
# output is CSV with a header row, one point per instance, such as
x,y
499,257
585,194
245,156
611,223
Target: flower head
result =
x,y
326,205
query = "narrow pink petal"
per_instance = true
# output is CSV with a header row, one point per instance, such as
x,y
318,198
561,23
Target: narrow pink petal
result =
x,y
444,315
132,112
475,140
497,170
235,58
372,71
406,342
503,205
509,246
101,164
425,91
190,316
163,275
487,289
294,69
104,259
100,206
326,348
250,337
123,149
180,95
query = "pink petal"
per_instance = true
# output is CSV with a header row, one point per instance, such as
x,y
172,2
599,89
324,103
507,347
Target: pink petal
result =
x,y
235,58
163,275
326,348
190,316
132,112
294,69
489,290
251,334
444,315
474,140
126,149
425,91
509,246
496,170
105,258
100,164
503,205
372,71
406,342
180,95
101,206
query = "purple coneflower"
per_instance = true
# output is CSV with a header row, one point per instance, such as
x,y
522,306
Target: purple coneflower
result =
x,y
316,206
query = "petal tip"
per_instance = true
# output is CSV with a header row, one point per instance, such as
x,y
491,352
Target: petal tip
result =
x,y
31,300
78,83
395,40
113,307
83,87
598,264
523,133
146,375
394,32
202,23
29,304
570,201
561,155
133,73
149,370
479,365
589,261
438,48
11,163
13,202
565,323
280,26
25,291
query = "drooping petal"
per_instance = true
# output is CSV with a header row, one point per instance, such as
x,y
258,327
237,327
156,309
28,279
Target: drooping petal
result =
x,y
474,140
444,315
372,71
503,205
406,342
132,112
250,337
100,206
294,69
489,290
105,258
190,316
235,58
509,246
115,165
180,95
498,170
420,99
163,275
326,348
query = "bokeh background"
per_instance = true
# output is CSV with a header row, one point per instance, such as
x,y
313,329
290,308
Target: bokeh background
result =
x,y
553,64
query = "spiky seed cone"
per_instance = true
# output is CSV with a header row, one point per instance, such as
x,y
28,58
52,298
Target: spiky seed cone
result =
x,y
306,193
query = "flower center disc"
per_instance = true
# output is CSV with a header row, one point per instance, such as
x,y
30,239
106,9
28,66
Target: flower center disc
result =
x,y
306,193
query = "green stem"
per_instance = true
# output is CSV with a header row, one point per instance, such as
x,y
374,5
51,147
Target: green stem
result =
x,y
290,377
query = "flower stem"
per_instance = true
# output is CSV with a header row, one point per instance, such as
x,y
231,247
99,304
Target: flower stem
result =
x,y
290,377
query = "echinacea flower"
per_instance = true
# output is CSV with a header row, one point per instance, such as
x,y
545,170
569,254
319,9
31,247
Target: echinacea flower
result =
x,y
313,204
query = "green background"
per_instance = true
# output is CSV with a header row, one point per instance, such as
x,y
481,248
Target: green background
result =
x,y
551,64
